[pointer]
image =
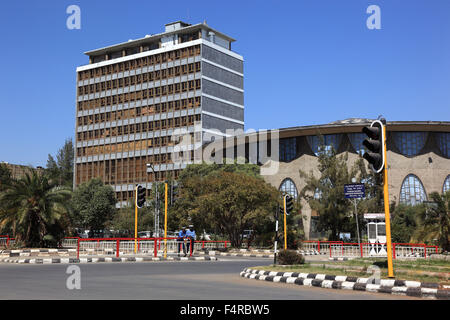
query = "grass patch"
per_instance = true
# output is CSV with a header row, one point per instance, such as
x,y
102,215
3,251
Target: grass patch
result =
x,y
349,269
423,265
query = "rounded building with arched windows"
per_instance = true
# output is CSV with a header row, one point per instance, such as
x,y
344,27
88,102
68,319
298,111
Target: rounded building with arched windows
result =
x,y
418,154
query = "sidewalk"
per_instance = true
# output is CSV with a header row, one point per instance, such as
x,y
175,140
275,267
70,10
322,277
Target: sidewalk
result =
x,y
47,256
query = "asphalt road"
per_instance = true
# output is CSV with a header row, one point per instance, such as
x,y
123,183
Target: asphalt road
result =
x,y
187,280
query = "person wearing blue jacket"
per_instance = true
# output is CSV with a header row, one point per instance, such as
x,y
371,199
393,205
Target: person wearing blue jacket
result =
x,y
190,234
180,240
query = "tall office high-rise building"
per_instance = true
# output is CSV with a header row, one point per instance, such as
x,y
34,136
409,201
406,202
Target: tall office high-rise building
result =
x,y
132,96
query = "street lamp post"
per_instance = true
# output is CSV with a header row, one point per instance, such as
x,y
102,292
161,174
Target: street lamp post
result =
x,y
356,216
156,215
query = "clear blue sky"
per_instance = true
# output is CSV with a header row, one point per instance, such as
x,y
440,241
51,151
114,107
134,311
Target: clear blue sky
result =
x,y
306,62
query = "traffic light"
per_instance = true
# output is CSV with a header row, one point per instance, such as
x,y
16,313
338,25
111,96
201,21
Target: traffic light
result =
x,y
289,204
280,211
140,196
173,194
375,144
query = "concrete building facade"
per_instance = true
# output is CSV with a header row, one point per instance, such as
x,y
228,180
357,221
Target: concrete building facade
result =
x,y
18,170
418,158
132,96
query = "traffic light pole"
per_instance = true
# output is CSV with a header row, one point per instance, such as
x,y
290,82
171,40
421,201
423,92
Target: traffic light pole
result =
x,y
156,224
357,224
285,229
165,220
378,159
386,212
276,239
135,219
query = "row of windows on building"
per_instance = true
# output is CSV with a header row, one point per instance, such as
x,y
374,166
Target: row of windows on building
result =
x,y
140,95
139,78
139,62
137,128
132,113
130,146
412,191
408,143
127,170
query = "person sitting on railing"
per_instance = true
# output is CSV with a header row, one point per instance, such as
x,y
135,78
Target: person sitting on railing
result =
x,y
180,240
190,233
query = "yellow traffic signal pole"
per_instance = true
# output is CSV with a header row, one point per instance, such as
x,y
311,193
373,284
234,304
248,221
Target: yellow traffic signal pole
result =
x,y
135,219
285,229
165,220
387,218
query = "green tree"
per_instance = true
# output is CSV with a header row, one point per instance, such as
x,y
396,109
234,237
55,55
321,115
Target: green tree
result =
x,y
373,182
189,190
65,160
52,169
325,193
5,176
35,208
434,222
204,169
61,170
124,219
93,204
233,202
225,199
405,222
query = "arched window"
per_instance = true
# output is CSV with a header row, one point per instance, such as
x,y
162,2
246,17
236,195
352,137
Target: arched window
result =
x,y
329,140
412,191
446,186
288,186
356,139
410,143
444,143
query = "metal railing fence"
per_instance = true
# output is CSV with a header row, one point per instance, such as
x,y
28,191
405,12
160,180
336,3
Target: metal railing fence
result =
x,y
341,249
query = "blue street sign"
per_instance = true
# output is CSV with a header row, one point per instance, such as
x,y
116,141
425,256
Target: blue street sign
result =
x,y
354,190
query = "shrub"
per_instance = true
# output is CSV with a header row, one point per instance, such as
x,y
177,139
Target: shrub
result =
x,y
289,257
381,264
49,241
17,244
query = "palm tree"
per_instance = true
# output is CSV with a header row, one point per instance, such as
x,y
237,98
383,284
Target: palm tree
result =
x,y
434,223
34,207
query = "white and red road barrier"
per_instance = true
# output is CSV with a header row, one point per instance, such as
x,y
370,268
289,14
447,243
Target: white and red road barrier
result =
x,y
123,246
6,241
119,246
364,250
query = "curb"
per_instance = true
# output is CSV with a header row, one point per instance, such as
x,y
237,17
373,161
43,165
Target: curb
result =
x,y
390,286
340,259
34,252
235,254
311,253
106,259
256,250
270,252
246,255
